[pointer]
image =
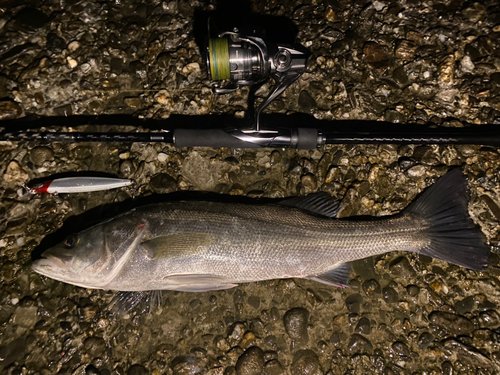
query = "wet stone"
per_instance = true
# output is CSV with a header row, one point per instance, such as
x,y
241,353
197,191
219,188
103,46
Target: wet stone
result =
x,y
306,102
359,344
465,306
55,43
416,171
295,321
374,52
453,323
254,301
163,184
406,163
412,290
364,326
137,370
25,316
94,346
390,295
9,110
405,49
274,367
353,303
371,287
400,349
305,363
424,340
251,362
41,154
401,267
127,168
188,364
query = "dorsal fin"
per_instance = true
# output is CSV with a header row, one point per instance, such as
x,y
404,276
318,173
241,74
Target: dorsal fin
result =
x,y
317,203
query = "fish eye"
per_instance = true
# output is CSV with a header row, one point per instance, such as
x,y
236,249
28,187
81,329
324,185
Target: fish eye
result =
x,y
71,241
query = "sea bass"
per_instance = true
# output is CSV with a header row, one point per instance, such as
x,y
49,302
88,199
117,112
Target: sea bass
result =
x,y
201,246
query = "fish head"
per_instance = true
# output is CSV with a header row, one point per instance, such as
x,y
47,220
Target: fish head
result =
x,y
79,260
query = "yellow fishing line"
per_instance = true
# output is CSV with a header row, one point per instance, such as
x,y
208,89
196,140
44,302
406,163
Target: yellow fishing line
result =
x,y
219,59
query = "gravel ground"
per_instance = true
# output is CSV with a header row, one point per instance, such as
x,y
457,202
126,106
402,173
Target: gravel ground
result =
x,y
400,61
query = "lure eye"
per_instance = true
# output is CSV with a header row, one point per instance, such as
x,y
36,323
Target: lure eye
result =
x,y
71,241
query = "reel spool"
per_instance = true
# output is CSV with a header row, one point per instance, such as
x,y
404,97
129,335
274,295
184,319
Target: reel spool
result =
x,y
247,60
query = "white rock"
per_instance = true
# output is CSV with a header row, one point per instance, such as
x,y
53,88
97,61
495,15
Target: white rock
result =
x,y
466,65
73,46
72,62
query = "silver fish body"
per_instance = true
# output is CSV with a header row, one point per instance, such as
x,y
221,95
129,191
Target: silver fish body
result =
x,y
198,246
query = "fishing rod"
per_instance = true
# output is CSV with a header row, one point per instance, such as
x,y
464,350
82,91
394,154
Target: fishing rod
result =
x,y
235,60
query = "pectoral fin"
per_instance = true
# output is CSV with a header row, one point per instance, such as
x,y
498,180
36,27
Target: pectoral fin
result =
x,y
179,244
338,276
197,283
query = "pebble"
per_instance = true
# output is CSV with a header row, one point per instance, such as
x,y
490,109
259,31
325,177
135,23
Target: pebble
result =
x,y
306,102
274,367
359,344
127,168
163,184
72,63
405,49
25,316
275,158
237,333
9,110
467,354
492,205
41,154
309,182
374,53
353,303
400,349
412,290
14,173
305,362
364,326
453,323
137,370
447,69
390,295
94,346
416,171
371,287
295,321
133,102
401,267
188,364
251,362
73,46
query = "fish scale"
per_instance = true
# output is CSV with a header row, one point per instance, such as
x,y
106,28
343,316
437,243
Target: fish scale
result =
x,y
264,242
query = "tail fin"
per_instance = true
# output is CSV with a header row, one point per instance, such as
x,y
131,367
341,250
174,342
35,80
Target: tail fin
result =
x,y
454,237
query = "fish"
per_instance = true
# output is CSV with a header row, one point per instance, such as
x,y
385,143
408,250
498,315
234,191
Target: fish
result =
x,y
197,246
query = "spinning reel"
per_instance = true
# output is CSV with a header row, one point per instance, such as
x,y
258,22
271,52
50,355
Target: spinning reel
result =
x,y
244,60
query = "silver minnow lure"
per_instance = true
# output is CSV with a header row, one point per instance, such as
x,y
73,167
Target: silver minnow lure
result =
x,y
79,184
201,246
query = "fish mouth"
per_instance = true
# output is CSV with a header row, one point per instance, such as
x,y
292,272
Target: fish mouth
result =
x,y
57,268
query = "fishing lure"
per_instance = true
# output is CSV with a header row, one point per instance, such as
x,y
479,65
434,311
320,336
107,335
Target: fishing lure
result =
x,y
79,185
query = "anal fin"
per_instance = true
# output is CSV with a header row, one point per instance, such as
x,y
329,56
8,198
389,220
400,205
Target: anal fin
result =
x,y
339,276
